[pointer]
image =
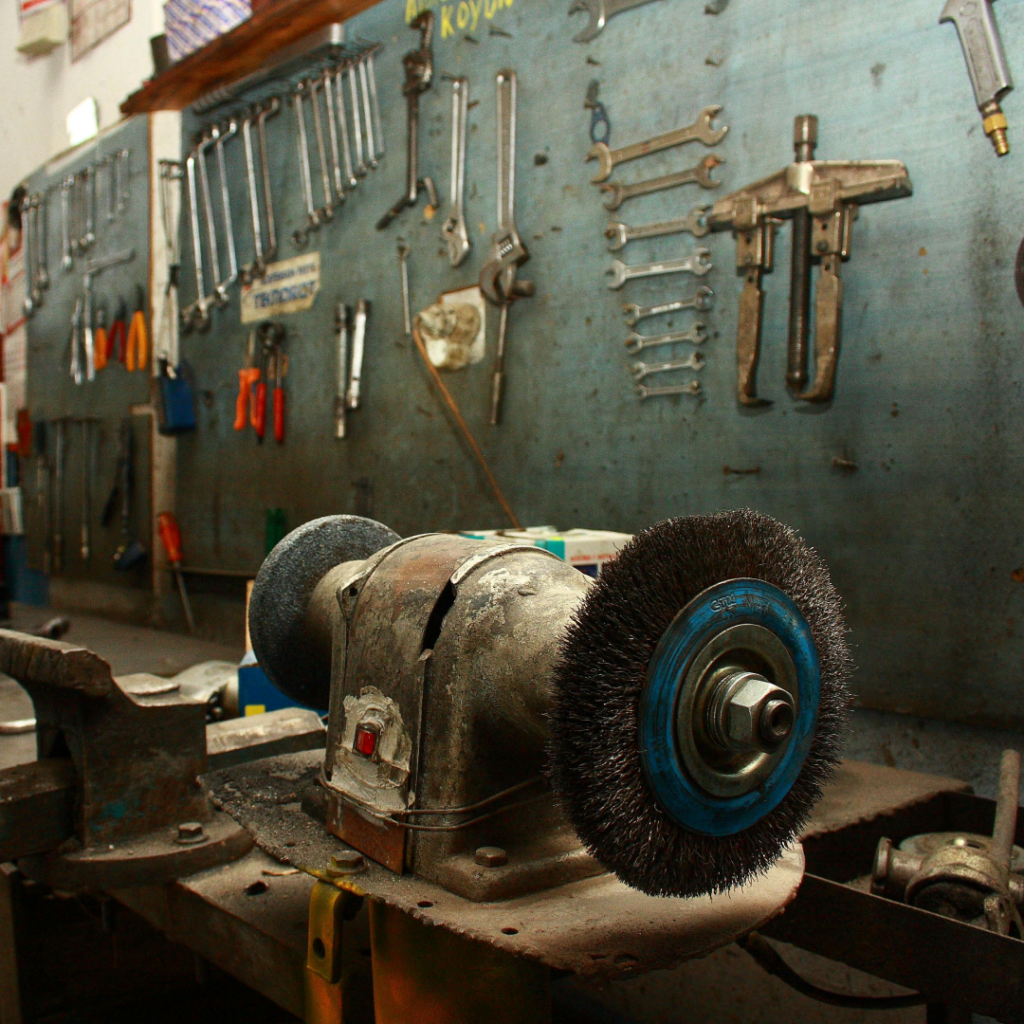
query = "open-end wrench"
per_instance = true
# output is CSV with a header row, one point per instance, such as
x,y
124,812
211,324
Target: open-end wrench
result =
x,y
208,139
252,270
337,175
267,110
419,76
227,130
197,314
498,280
66,261
696,335
698,175
326,211
29,304
697,263
693,389
695,361
301,235
619,235
600,11
700,131
89,198
702,300
354,397
42,270
338,77
454,230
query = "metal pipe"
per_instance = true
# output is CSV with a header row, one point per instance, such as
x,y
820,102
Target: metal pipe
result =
x,y
1005,829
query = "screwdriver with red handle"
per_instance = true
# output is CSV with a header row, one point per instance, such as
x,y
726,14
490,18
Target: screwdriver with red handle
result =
x,y
170,536
278,394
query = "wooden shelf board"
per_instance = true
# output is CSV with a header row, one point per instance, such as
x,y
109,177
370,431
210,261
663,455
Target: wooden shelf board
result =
x,y
243,50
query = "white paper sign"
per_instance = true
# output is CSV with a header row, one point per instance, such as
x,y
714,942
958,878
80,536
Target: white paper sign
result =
x,y
287,287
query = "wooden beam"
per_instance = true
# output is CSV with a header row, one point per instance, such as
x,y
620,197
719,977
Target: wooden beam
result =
x,y
243,50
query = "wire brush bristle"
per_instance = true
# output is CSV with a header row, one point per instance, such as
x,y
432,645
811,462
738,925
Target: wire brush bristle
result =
x,y
594,757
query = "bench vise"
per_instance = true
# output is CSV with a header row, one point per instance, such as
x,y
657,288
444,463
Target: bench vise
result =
x,y
822,199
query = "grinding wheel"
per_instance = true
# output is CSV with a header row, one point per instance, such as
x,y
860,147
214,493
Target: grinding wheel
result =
x,y
278,609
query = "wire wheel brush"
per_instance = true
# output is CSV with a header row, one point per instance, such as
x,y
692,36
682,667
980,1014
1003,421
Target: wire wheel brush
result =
x,y
698,702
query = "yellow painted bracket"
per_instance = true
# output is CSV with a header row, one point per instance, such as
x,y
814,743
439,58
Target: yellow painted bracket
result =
x,y
329,907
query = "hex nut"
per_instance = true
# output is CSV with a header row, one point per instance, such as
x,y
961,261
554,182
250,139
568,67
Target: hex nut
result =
x,y
491,857
191,832
746,708
348,862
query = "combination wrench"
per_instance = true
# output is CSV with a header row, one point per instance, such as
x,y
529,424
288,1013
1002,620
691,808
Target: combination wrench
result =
x,y
42,270
620,235
267,110
30,303
341,317
337,76
454,230
361,166
301,235
697,263
692,389
326,83
371,143
641,371
197,314
696,335
89,199
375,99
498,279
66,261
702,300
600,11
618,193
419,76
354,397
701,130
251,271
326,211
229,129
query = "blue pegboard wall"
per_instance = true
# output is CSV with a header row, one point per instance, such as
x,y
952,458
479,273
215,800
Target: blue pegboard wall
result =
x,y
923,537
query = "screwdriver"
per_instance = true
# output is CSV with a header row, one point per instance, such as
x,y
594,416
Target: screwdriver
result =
x,y
278,394
170,536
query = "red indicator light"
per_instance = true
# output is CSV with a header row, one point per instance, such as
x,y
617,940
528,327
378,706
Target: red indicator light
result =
x,y
366,741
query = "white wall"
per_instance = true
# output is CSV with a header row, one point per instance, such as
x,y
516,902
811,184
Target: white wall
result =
x,y
38,92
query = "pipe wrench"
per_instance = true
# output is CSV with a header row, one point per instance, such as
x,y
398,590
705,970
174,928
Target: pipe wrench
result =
x,y
986,63
419,76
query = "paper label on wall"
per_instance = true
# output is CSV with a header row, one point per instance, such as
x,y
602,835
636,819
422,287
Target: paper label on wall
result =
x,y
287,287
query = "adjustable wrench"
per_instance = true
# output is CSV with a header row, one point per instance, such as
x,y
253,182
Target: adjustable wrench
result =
x,y
698,175
326,212
698,264
619,235
693,389
696,335
641,370
600,11
454,230
700,131
354,397
702,300
66,261
508,253
301,235
42,272
332,134
346,146
419,75
198,313
229,129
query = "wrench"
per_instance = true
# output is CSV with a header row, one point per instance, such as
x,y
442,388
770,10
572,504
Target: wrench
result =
x,y
198,313
332,134
693,388
375,99
700,131
42,272
696,335
326,211
301,235
253,270
267,110
209,138
123,179
371,145
698,264
600,11
89,198
701,301
76,343
419,75
454,230
354,398
346,146
108,163
698,175
341,317
66,261
403,267
619,235
361,166
229,129
694,362
29,305
74,218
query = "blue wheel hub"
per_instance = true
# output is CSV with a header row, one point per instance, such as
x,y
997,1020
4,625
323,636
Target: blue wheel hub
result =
x,y
729,707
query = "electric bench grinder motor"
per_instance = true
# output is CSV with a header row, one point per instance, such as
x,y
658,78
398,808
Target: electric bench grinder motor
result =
x,y
673,721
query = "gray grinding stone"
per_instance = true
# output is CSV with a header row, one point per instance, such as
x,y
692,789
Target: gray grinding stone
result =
x,y
281,594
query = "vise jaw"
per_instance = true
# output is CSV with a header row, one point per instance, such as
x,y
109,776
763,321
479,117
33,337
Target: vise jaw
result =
x,y
822,198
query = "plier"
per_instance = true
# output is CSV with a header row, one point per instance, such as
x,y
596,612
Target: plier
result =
x,y
117,337
138,337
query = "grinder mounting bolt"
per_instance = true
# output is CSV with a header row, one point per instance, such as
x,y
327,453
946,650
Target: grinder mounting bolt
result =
x,y
748,712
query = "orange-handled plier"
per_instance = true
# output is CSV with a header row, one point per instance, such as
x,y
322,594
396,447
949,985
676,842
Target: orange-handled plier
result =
x,y
118,334
248,376
101,343
138,337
